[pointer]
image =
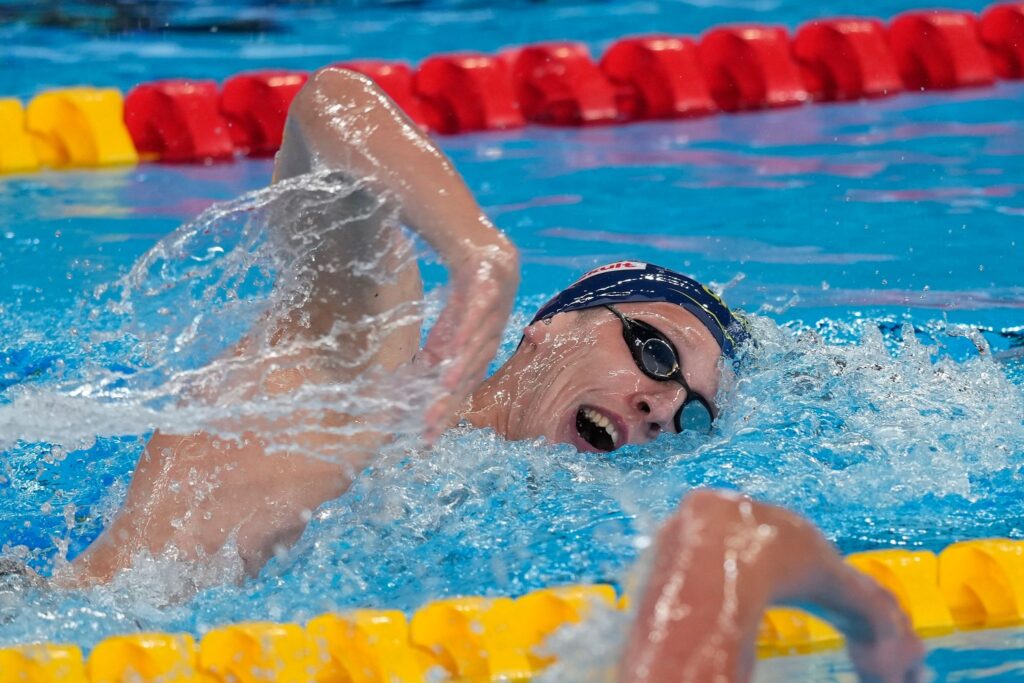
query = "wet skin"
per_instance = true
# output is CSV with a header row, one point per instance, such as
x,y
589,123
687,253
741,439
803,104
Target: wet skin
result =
x,y
192,494
720,559
579,361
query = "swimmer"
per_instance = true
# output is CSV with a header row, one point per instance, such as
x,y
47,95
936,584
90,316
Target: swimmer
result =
x,y
628,352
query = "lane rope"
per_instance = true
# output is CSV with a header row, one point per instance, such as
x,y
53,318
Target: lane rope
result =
x,y
969,585
728,69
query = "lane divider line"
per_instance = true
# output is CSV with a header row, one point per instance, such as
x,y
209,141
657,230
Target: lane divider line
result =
x,y
729,69
969,585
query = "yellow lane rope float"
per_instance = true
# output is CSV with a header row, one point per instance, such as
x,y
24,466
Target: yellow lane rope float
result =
x,y
969,585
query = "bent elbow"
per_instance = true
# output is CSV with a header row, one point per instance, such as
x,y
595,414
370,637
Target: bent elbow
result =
x,y
508,256
330,92
339,82
502,262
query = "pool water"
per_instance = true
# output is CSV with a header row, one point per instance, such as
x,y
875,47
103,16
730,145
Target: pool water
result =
x,y
877,245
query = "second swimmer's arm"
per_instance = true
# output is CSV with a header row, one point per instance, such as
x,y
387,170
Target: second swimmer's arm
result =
x,y
341,120
721,560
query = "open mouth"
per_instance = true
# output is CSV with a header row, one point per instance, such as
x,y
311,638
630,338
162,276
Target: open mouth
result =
x,y
596,429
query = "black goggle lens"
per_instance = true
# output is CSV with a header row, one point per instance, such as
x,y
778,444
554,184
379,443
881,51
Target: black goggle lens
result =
x,y
659,359
694,415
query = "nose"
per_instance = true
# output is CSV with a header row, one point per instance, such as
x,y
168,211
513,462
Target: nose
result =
x,y
657,407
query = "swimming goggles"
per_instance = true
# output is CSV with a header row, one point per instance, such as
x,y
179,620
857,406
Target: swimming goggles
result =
x,y
656,356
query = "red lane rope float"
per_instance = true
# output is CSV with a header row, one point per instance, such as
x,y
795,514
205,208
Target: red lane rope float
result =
x,y
657,77
846,59
178,121
559,84
466,92
1002,32
940,49
750,67
256,105
731,68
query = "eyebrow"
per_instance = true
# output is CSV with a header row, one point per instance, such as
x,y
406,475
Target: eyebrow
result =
x,y
673,331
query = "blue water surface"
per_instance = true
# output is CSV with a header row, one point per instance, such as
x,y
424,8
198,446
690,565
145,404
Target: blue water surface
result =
x,y
877,244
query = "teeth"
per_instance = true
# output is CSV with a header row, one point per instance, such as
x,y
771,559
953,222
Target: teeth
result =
x,y
602,422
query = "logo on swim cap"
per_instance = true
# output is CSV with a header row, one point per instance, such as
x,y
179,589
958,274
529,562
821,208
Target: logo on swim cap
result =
x,y
617,266
636,281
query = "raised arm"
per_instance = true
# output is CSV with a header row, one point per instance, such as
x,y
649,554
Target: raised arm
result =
x,y
721,560
341,120
347,269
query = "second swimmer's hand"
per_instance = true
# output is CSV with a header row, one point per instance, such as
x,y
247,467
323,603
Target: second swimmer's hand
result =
x,y
465,338
882,644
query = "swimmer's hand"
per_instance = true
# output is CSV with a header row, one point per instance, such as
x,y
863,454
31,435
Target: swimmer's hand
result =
x,y
720,561
465,338
882,645
342,120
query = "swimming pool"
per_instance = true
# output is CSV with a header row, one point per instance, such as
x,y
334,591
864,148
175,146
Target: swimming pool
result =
x,y
848,221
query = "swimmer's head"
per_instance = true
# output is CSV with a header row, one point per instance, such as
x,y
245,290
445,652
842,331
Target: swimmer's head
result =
x,y
635,281
626,352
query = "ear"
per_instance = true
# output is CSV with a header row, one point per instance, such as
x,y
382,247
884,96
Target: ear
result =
x,y
535,333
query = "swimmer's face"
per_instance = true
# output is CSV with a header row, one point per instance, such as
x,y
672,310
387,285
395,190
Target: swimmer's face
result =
x,y
580,372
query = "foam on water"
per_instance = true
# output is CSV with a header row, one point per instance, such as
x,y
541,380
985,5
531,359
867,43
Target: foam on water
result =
x,y
154,350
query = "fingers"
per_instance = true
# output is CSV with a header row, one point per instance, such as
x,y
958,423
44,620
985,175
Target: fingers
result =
x,y
463,342
896,657
437,421
914,675
460,373
888,651
468,340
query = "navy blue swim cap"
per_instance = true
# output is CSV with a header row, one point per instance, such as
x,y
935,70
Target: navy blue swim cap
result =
x,y
635,281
